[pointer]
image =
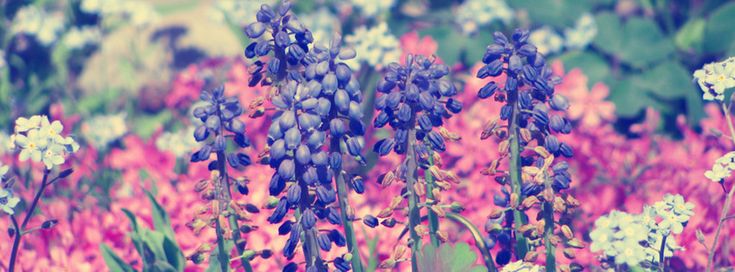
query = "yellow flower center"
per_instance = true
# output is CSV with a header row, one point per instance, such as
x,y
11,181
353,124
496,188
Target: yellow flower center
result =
x,y
721,78
32,145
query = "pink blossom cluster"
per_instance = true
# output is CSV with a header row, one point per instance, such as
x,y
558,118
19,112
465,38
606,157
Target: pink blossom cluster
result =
x,y
611,170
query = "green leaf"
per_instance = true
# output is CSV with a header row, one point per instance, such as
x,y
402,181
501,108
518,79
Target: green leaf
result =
x,y
667,80
595,67
629,100
162,223
450,258
639,42
557,13
174,255
719,33
610,33
114,262
214,264
450,41
690,36
147,125
644,43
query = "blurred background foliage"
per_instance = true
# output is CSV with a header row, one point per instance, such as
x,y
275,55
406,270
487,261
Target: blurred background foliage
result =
x,y
97,56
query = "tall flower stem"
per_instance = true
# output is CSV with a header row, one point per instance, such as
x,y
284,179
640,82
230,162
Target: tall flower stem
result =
x,y
433,217
16,243
224,178
515,175
728,200
310,246
661,255
19,230
548,211
414,216
344,207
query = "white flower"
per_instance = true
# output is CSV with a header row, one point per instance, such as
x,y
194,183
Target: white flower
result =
x,y
521,266
722,168
77,38
2,59
8,201
237,11
102,130
473,14
377,46
40,140
582,34
546,40
137,12
372,8
178,143
322,24
714,78
3,170
34,21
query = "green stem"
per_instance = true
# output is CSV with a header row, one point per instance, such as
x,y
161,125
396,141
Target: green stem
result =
x,y
16,243
414,216
433,217
224,178
346,221
728,200
515,176
661,255
479,241
310,246
19,230
222,253
548,232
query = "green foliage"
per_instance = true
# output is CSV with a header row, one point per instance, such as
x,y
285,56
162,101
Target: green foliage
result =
x,y
637,42
214,263
448,258
719,33
157,247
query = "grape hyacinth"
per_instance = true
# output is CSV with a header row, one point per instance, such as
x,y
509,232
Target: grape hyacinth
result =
x,y
416,99
533,114
317,122
221,128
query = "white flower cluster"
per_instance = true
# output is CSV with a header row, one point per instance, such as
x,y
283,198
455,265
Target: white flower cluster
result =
x,y
372,8
322,24
40,140
377,46
137,12
178,143
7,200
521,266
714,78
722,168
77,38
634,238
473,14
102,130
36,22
237,11
549,41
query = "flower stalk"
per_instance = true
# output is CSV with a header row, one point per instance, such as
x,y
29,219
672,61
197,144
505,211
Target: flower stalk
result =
x,y
433,217
521,245
414,215
20,230
344,206
728,200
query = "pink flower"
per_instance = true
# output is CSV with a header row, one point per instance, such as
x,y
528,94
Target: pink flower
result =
x,y
586,105
412,44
